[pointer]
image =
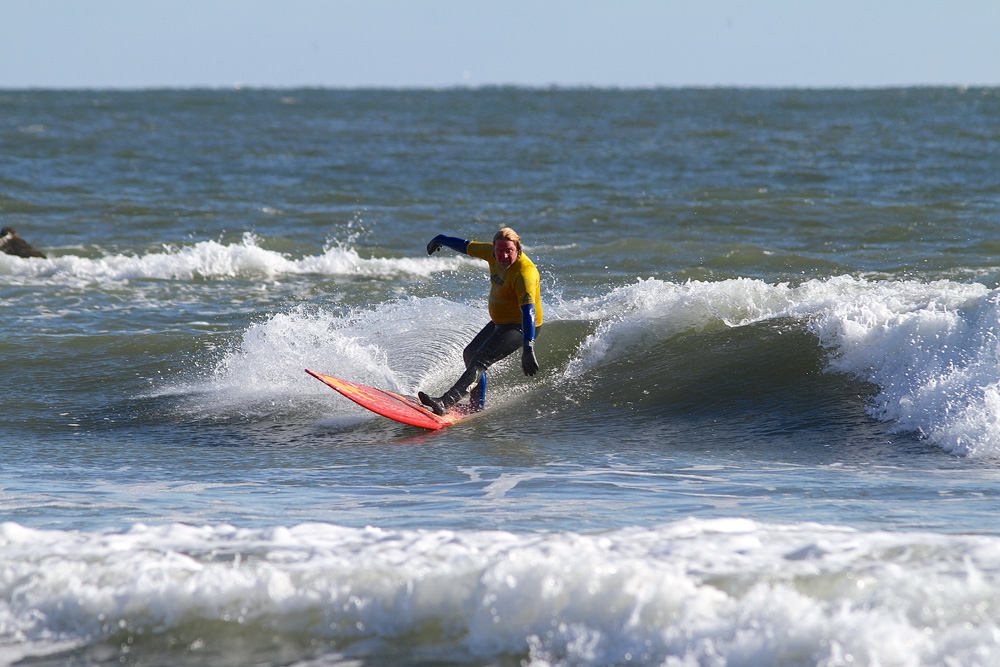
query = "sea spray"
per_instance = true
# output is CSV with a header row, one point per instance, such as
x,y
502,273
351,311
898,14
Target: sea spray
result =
x,y
394,346
930,348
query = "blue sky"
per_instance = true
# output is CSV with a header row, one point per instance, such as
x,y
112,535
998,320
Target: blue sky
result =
x,y
442,43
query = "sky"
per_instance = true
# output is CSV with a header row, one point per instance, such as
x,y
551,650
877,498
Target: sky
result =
x,y
447,43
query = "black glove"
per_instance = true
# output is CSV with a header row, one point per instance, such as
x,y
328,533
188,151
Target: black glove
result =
x,y
433,246
528,362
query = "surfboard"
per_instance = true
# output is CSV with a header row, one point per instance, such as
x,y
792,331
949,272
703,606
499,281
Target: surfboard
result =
x,y
403,409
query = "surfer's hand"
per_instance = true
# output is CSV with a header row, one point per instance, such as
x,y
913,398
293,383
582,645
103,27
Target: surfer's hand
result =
x,y
528,362
453,242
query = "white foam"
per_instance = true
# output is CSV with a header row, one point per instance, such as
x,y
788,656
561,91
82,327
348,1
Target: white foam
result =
x,y
213,260
727,591
394,346
931,348
652,310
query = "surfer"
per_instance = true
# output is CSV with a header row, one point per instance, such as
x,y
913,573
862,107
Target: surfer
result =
x,y
12,244
515,308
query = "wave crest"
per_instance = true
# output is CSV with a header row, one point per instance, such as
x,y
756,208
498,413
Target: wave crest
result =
x,y
212,260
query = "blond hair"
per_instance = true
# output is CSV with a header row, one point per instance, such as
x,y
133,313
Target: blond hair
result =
x,y
508,234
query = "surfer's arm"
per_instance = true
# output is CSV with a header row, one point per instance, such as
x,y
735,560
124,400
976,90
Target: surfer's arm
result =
x,y
455,243
528,362
528,323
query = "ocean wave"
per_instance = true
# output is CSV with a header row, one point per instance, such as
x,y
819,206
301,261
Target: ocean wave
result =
x,y
930,348
726,591
212,260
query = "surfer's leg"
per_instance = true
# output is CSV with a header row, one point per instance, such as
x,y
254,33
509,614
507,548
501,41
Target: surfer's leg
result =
x,y
441,404
484,335
463,385
467,380
477,397
496,342
502,341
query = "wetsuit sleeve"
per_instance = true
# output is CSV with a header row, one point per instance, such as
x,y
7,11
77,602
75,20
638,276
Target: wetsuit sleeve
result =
x,y
528,323
453,242
529,364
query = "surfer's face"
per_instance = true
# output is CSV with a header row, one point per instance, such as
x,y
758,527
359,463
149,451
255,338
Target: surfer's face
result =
x,y
505,251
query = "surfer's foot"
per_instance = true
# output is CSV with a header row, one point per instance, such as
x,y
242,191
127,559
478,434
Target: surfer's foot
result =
x,y
435,404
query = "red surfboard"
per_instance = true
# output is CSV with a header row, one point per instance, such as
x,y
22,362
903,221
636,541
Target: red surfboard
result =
x,y
388,404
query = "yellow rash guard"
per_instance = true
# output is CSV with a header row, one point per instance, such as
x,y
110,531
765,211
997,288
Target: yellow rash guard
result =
x,y
510,288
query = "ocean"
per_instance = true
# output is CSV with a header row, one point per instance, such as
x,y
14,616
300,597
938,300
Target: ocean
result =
x,y
766,429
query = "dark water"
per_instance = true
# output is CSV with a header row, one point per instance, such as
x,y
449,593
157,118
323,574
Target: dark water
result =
x,y
765,430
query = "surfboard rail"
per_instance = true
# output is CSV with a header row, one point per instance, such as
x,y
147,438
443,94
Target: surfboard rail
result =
x,y
403,409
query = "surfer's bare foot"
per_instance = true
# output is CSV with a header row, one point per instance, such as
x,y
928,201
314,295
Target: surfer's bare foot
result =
x,y
435,404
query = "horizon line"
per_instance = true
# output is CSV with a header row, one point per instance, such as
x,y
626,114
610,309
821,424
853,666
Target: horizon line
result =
x,y
236,87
